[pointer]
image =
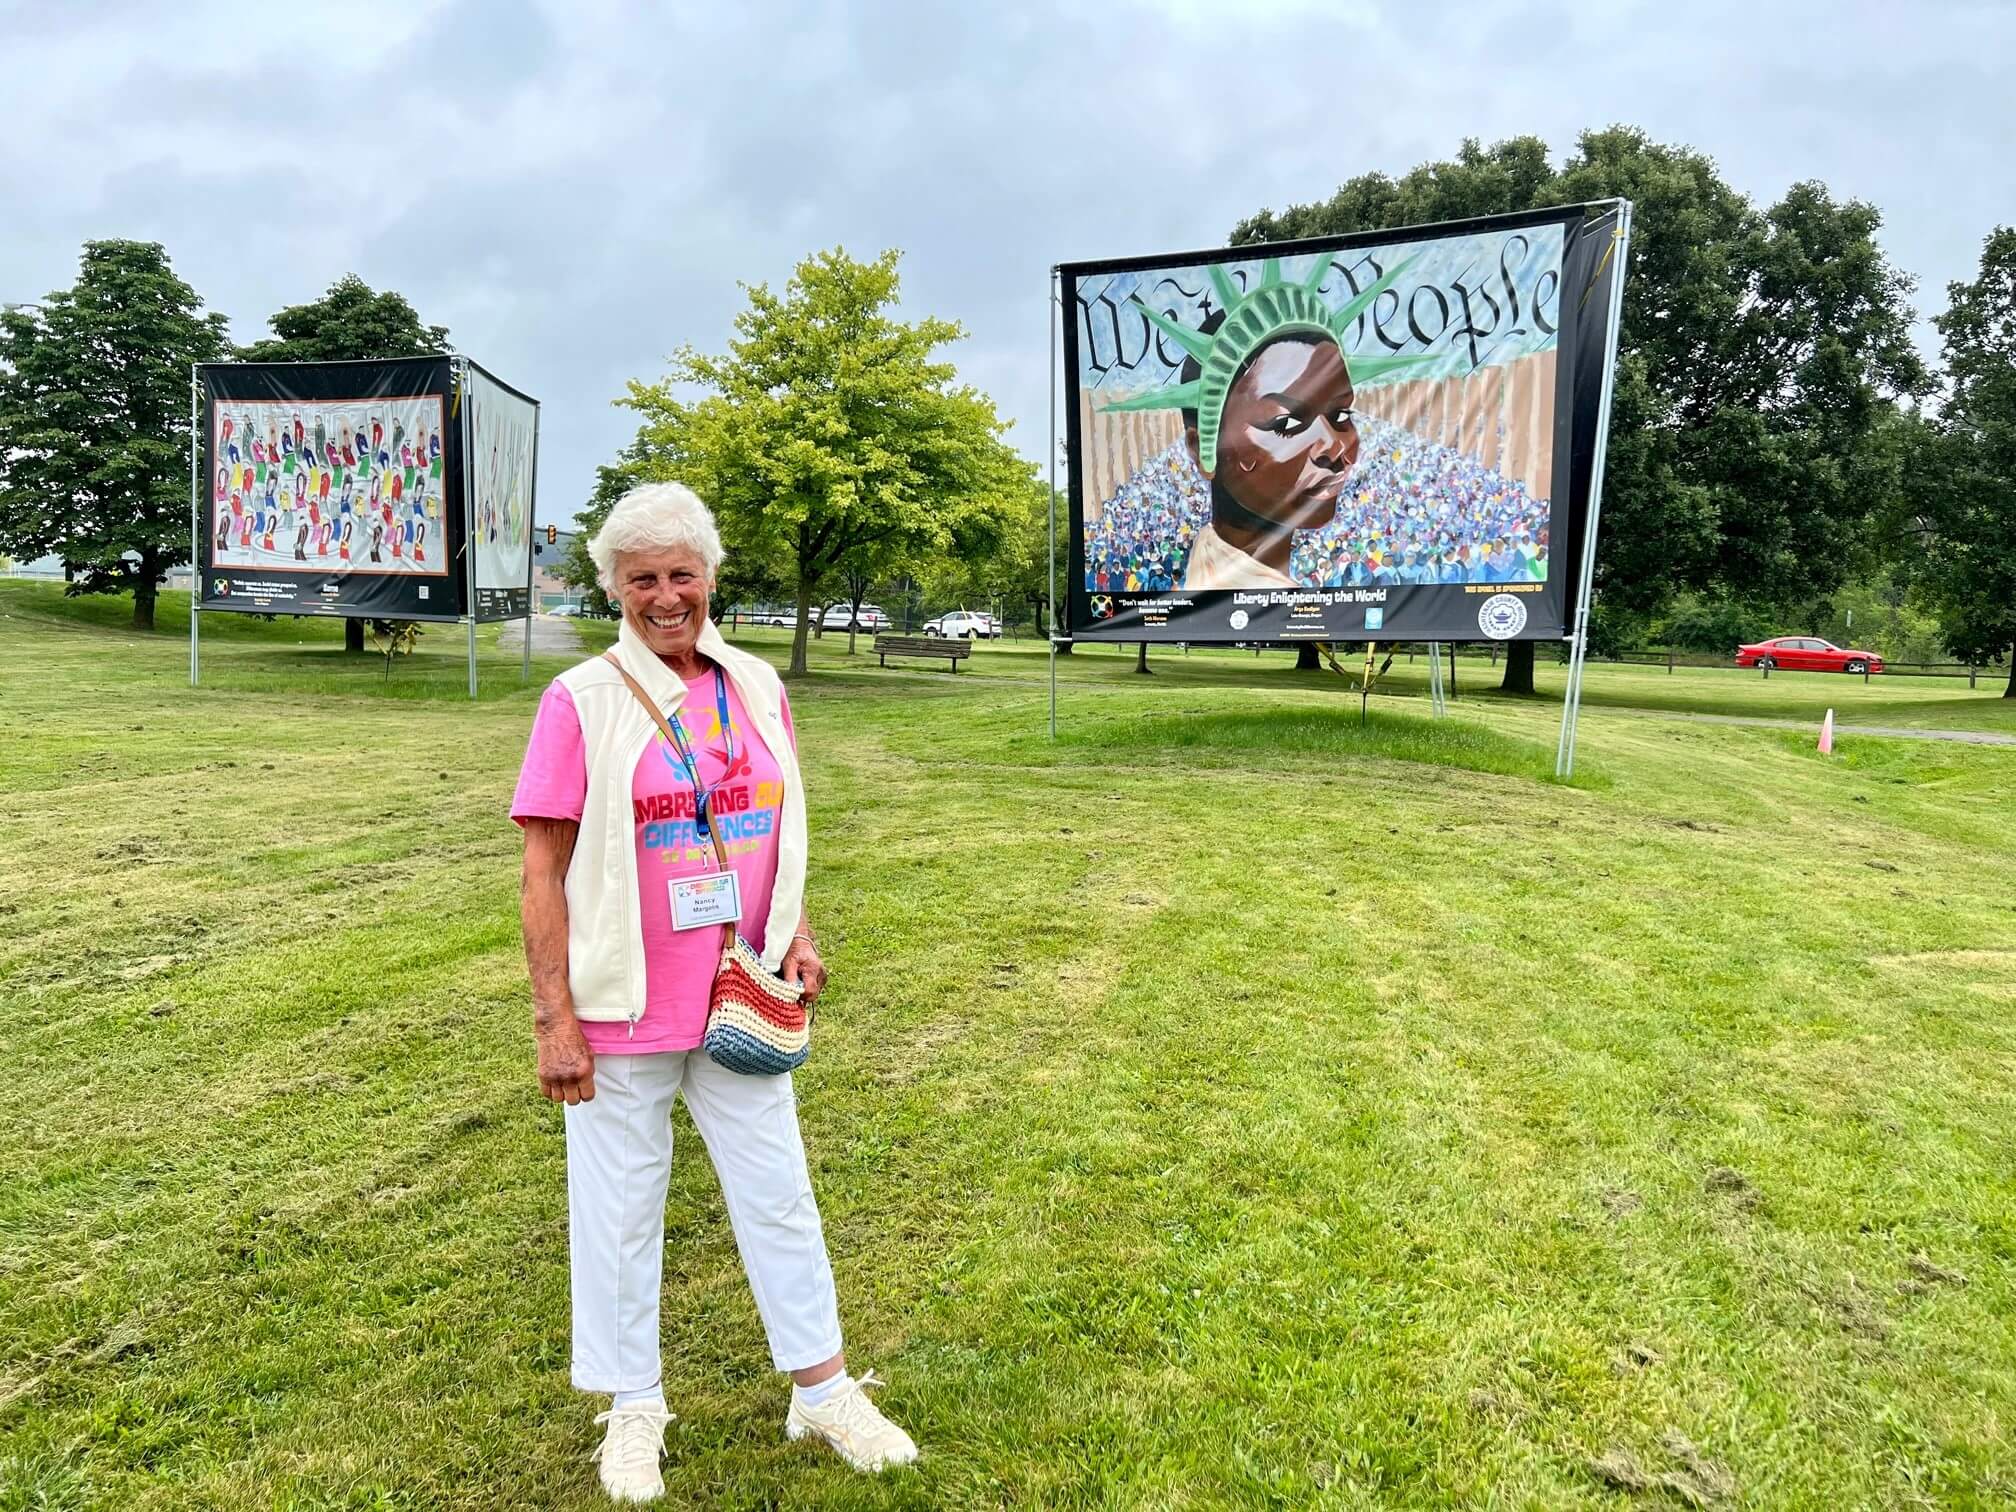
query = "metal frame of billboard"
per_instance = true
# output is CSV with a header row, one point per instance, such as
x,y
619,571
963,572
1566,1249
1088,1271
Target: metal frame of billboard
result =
x,y
1583,523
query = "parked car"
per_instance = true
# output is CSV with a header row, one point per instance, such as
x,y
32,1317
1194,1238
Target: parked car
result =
x,y
1803,653
964,624
565,611
835,617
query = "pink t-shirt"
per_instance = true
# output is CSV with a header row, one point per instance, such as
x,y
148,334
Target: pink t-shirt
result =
x,y
747,804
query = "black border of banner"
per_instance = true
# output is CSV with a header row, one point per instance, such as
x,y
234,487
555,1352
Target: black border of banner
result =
x,y
351,594
518,610
1424,611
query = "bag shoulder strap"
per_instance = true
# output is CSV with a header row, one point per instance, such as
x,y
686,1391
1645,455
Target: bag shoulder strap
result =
x,y
664,728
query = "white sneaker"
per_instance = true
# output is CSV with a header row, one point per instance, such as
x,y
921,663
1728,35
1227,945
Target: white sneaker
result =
x,y
628,1453
853,1425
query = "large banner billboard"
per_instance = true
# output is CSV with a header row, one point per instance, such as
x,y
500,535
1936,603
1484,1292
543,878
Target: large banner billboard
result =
x,y
1376,437
503,455
331,488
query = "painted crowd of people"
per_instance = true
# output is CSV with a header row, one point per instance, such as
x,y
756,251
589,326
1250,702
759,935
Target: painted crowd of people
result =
x,y
332,486
1140,540
1415,512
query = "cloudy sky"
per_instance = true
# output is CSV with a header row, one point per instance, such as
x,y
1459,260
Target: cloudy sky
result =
x,y
575,188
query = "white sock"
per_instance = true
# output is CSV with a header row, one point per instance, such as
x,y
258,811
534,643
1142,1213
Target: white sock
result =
x,y
651,1396
813,1396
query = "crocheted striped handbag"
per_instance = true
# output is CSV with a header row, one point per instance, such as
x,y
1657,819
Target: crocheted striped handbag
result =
x,y
757,1023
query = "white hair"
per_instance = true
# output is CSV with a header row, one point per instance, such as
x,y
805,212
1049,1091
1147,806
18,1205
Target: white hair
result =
x,y
655,517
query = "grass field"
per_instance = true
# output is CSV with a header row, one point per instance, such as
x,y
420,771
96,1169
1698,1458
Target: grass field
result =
x,y
1220,1106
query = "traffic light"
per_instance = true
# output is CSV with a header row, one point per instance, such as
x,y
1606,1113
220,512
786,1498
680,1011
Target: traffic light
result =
x,y
552,535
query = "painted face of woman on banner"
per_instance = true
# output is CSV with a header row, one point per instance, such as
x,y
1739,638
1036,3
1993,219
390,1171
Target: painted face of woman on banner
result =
x,y
1287,441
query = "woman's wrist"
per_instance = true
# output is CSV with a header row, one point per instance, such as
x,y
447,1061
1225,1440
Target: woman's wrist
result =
x,y
552,1016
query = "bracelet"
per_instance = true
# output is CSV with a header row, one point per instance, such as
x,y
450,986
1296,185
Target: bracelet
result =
x,y
807,939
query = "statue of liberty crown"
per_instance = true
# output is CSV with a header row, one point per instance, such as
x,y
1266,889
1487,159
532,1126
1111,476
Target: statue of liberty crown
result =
x,y
1275,308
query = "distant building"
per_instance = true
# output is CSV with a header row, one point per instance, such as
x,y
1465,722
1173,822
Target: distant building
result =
x,y
548,589
49,569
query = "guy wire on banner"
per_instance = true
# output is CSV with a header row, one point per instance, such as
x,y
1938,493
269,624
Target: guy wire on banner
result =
x,y
195,528
1056,316
1618,255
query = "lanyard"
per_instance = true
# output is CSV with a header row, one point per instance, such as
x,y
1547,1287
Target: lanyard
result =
x,y
689,759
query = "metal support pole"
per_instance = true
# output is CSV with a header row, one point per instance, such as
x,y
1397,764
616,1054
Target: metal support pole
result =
x,y
531,534
1436,702
1054,313
1452,669
195,528
1571,704
468,513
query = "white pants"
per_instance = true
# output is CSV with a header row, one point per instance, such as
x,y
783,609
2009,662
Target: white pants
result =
x,y
619,1164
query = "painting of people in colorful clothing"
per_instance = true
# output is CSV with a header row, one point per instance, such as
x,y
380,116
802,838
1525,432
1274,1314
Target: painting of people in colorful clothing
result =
x,y
333,486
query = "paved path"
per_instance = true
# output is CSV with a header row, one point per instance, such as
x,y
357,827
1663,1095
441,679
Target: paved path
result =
x,y
1966,737
549,635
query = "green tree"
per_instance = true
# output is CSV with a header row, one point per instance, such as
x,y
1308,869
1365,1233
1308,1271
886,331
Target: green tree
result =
x,y
94,422
1006,563
350,323
1960,522
829,430
1759,356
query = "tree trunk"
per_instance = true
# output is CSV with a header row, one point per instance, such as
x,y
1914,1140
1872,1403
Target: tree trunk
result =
x,y
853,620
1306,659
2010,691
353,636
144,588
1141,662
1518,668
798,634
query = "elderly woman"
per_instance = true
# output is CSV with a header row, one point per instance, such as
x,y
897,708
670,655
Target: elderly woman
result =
x,y
615,818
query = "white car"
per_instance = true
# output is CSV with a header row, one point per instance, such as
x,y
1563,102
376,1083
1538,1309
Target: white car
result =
x,y
835,617
964,624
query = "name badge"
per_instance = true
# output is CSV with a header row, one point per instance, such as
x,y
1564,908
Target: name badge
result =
x,y
713,899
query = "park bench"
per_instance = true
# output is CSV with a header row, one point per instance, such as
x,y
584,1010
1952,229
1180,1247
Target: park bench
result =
x,y
954,651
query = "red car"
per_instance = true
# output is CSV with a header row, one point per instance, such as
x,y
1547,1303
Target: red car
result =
x,y
1803,653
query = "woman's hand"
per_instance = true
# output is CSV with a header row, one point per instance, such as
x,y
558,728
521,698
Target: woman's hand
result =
x,y
802,964
566,1064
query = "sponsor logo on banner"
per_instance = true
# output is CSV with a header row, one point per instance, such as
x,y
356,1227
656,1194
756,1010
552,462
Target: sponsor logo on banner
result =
x,y
1239,619
1375,618
1503,616
221,587
1102,606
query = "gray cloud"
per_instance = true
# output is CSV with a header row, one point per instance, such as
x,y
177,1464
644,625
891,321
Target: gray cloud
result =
x,y
575,189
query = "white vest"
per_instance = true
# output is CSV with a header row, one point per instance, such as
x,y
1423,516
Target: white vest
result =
x,y
605,934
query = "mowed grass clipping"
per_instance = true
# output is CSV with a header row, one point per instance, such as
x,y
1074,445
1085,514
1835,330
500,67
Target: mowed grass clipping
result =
x,y
1249,1118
